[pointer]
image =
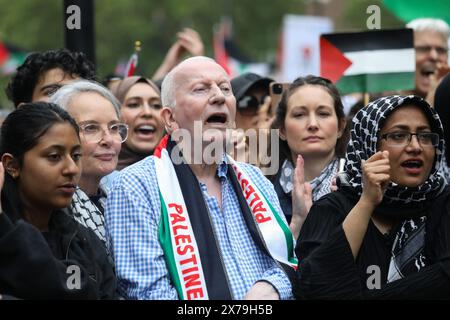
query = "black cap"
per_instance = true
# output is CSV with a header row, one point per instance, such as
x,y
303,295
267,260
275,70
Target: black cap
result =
x,y
245,81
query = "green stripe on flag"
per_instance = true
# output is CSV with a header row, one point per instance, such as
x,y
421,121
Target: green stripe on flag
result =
x,y
376,82
166,243
286,231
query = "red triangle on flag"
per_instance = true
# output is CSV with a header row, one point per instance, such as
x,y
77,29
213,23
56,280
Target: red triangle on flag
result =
x,y
4,53
131,65
333,63
220,52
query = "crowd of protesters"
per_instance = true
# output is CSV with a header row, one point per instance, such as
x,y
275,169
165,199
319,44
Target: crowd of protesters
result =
x,y
127,191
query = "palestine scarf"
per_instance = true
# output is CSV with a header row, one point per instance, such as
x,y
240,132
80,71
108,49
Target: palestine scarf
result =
x,y
187,235
87,214
407,252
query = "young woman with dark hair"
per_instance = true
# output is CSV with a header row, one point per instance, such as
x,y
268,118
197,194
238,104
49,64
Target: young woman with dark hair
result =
x,y
44,252
311,121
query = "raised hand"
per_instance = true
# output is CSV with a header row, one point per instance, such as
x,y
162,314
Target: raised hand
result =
x,y
442,69
301,198
376,177
188,42
191,42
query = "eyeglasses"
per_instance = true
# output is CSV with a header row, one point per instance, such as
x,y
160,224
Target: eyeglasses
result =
x,y
249,104
426,49
401,139
95,133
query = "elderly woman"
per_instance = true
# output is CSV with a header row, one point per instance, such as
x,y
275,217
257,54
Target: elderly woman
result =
x,y
386,232
96,111
140,101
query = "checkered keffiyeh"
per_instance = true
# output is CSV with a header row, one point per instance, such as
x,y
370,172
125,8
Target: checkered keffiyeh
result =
x,y
407,252
366,127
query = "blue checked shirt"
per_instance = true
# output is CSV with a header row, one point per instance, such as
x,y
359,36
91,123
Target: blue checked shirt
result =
x,y
132,217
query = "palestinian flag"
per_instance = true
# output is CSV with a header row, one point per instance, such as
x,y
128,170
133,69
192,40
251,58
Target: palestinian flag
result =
x,y
372,61
4,54
408,10
131,65
133,61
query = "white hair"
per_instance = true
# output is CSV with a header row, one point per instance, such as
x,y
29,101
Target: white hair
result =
x,y
169,84
430,24
64,96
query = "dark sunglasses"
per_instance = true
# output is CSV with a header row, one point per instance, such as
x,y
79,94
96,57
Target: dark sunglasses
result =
x,y
249,104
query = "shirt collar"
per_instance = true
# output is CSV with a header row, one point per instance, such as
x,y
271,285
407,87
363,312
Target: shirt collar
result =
x,y
222,168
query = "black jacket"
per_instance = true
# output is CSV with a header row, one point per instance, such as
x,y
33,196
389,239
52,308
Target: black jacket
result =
x,y
327,269
284,198
35,265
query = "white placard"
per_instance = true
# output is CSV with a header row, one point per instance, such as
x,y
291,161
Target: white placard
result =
x,y
301,50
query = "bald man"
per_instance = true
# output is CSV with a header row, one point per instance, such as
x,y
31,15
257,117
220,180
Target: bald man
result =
x,y
187,223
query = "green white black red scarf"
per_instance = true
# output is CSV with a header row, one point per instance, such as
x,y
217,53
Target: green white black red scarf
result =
x,y
187,236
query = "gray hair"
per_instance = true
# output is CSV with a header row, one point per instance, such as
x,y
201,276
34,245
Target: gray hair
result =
x,y
430,24
169,85
64,96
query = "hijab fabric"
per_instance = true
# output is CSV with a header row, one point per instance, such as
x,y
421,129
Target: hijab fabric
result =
x,y
121,90
365,135
127,156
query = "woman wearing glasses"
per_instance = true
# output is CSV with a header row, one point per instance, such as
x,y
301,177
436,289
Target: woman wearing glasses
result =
x,y
385,234
96,111
140,101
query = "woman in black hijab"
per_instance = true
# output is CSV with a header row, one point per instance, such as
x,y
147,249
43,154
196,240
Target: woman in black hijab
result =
x,y
386,233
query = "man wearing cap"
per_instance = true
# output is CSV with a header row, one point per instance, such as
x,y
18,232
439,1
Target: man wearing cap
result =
x,y
250,91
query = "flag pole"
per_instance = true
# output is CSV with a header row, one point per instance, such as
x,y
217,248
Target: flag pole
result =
x,y
366,98
137,46
133,61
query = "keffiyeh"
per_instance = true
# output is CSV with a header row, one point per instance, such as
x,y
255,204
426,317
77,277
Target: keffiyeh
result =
x,y
366,127
408,203
321,185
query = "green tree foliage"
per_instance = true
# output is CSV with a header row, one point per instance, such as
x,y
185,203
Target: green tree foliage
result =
x,y
39,25
355,16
